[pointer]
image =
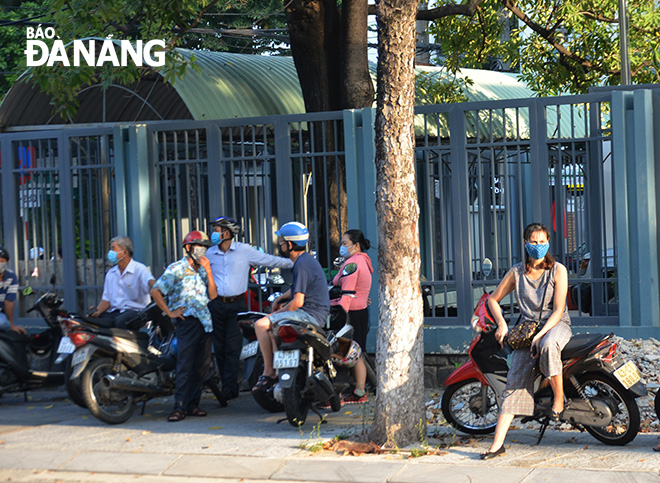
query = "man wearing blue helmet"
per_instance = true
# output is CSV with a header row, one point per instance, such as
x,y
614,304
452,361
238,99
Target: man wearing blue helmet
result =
x,y
307,300
230,263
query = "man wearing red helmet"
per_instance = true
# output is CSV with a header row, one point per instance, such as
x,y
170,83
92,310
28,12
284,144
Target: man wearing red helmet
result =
x,y
189,286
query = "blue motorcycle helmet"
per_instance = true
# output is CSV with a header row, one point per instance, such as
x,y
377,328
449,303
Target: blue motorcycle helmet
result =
x,y
295,232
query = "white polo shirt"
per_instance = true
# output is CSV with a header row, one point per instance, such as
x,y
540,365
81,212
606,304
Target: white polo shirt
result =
x,y
128,290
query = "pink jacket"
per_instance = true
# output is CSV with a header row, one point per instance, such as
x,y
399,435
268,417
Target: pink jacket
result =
x,y
360,281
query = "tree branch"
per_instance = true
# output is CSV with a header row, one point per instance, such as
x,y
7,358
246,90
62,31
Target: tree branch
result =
x,y
549,36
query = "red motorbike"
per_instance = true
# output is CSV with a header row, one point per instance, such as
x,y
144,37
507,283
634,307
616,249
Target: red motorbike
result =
x,y
600,386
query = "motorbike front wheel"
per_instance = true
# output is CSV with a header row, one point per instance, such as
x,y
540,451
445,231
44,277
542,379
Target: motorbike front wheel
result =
x,y
111,406
470,407
295,406
625,413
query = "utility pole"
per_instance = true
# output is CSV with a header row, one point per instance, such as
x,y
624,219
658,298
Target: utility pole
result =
x,y
623,44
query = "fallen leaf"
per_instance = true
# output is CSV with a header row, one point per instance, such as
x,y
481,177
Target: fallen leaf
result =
x,y
85,417
146,432
642,461
128,439
348,412
215,427
49,407
30,407
586,447
205,447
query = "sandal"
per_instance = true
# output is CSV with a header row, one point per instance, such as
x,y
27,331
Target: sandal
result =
x,y
556,416
264,382
196,412
176,415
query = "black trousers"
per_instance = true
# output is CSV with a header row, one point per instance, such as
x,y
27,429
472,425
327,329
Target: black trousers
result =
x,y
192,363
227,342
359,319
120,319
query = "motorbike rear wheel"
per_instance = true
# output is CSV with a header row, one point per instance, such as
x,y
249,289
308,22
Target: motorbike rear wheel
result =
x,y
112,406
656,403
470,407
73,386
625,420
295,405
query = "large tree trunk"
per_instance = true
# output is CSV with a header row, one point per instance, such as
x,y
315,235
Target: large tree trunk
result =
x,y
399,416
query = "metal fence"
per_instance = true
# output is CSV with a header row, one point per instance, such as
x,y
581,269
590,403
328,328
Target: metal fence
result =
x,y
484,170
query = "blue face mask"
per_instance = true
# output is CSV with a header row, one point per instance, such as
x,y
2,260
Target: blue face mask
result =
x,y
216,237
343,251
537,252
112,257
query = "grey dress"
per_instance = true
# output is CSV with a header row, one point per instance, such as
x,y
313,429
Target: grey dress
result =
x,y
518,397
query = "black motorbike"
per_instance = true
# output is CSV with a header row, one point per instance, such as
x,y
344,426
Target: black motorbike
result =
x,y
306,373
38,360
119,368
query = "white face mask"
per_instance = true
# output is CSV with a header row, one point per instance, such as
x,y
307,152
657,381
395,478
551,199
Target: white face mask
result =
x,y
198,252
3,267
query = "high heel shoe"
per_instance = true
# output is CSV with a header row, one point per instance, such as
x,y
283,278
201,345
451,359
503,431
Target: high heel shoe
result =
x,y
493,454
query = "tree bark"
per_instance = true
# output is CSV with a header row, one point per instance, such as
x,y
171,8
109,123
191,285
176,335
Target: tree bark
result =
x,y
399,415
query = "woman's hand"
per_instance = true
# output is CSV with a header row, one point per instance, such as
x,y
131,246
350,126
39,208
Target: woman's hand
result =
x,y
500,333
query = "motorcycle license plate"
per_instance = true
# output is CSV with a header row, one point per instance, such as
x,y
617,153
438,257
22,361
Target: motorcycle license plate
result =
x,y
79,356
628,374
66,346
249,350
286,359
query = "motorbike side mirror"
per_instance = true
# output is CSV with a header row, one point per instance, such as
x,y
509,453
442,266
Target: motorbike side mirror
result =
x,y
273,296
486,267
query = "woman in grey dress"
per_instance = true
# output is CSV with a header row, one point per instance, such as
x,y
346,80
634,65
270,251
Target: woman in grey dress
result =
x,y
528,280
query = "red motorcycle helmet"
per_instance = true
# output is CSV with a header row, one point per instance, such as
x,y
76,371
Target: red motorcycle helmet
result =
x,y
197,238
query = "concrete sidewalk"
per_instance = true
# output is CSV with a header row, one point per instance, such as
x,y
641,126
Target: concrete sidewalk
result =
x,y
50,439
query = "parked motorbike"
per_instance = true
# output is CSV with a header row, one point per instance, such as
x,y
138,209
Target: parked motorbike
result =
x,y
38,360
600,384
305,370
253,361
119,368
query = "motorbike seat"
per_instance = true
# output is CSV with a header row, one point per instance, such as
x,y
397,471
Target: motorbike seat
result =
x,y
140,338
580,345
13,337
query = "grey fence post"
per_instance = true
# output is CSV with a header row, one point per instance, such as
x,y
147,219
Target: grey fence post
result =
x,y
136,165
360,194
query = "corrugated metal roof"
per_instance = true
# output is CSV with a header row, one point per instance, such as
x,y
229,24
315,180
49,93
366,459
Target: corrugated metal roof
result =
x,y
226,86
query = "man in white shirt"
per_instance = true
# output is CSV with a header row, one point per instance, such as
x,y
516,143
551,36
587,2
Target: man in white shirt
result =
x,y
231,262
127,285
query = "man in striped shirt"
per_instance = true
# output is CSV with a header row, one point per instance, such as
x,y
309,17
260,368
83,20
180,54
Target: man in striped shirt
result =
x,y
8,293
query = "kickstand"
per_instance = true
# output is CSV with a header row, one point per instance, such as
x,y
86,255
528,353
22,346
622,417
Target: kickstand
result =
x,y
144,406
321,416
544,426
25,398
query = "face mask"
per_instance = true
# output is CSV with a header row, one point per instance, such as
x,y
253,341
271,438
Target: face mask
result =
x,y
112,257
198,252
537,252
216,238
343,251
3,267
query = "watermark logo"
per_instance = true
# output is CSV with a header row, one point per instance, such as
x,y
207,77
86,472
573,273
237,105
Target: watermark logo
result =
x,y
84,52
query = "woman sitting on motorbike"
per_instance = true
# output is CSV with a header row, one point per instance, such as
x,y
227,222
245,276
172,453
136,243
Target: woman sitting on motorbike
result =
x,y
540,285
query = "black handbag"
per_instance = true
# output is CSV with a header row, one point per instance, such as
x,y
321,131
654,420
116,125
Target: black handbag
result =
x,y
524,331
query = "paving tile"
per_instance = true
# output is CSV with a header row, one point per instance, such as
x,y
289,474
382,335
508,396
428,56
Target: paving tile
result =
x,y
106,462
37,459
362,469
225,466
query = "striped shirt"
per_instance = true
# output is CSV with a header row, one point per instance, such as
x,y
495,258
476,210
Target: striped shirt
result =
x,y
8,288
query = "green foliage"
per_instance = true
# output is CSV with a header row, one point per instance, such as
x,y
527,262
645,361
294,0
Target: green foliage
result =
x,y
12,42
436,88
563,46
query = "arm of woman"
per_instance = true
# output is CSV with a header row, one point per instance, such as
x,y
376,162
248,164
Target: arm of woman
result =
x,y
559,302
506,286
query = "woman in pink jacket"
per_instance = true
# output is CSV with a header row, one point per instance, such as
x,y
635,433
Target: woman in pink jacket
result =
x,y
354,279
